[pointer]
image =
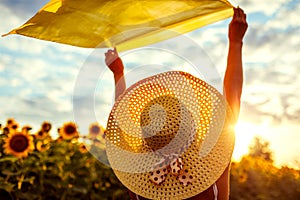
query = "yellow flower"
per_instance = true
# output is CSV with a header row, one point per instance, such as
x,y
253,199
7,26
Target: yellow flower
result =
x,y
14,128
82,148
68,131
18,144
41,135
11,126
26,129
95,130
42,145
243,178
46,126
1,129
10,121
59,139
5,131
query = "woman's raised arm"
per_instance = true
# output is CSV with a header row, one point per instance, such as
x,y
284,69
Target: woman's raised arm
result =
x,y
233,80
115,64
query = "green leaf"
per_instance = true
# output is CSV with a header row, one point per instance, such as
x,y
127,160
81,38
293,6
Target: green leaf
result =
x,y
10,173
8,158
81,190
7,186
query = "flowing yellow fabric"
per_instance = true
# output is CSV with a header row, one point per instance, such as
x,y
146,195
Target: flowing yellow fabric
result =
x,y
124,24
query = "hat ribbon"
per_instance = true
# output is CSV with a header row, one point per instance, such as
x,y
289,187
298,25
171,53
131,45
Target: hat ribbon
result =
x,y
170,164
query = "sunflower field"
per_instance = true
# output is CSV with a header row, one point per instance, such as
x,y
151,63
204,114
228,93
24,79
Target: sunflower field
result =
x,y
36,166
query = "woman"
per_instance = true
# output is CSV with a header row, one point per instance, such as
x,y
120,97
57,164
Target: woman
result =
x,y
233,81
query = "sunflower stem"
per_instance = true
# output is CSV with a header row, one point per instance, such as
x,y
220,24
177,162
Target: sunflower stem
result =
x,y
20,181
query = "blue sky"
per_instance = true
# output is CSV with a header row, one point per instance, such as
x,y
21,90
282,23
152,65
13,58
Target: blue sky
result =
x,y
37,78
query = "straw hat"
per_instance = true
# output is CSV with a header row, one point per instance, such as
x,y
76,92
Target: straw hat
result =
x,y
169,136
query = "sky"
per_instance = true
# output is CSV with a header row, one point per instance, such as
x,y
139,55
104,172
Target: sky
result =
x,y
39,80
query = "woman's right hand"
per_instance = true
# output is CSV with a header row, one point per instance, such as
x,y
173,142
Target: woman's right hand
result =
x,y
237,26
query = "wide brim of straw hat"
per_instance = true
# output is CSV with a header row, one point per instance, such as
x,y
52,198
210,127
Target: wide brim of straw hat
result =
x,y
205,157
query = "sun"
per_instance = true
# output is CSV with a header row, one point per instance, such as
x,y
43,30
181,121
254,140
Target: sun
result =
x,y
244,134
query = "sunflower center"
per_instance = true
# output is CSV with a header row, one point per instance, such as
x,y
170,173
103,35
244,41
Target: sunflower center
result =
x,y
70,130
15,126
95,129
46,127
19,143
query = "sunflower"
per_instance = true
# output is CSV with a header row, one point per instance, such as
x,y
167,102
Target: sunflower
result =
x,y
59,139
18,144
82,148
95,130
26,129
11,126
10,121
14,127
40,135
69,131
1,129
46,126
5,131
42,145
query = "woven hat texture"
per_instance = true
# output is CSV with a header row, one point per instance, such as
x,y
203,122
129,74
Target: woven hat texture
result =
x,y
169,113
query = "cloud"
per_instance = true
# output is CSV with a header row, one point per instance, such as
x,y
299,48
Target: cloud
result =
x,y
267,7
37,78
34,111
270,59
286,16
23,9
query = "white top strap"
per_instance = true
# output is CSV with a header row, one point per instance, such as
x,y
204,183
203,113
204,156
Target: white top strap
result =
x,y
215,189
137,197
